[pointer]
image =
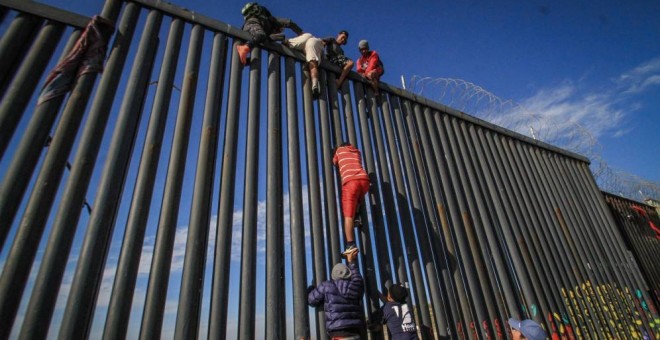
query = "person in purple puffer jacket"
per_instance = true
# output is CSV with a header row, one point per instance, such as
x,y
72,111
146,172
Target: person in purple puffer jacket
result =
x,y
341,300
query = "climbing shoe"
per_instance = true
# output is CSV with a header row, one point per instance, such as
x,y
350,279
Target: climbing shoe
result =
x,y
350,249
243,51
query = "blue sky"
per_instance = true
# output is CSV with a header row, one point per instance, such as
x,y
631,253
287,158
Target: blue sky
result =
x,y
595,63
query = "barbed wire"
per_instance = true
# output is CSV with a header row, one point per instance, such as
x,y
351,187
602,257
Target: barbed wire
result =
x,y
570,135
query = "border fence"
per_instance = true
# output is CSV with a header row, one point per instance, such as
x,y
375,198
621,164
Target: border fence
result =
x,y
101,169
640,226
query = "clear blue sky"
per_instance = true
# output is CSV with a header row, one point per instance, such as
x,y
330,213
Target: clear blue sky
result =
x,y
598,63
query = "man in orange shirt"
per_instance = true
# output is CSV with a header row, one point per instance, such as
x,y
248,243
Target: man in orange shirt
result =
x,y
355,184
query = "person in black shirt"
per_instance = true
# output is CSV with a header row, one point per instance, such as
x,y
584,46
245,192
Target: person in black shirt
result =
x,y
335,55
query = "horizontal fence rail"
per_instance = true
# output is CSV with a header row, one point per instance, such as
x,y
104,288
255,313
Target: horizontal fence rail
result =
x,y
168,191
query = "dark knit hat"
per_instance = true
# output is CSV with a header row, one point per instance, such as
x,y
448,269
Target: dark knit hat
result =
x,y
363,44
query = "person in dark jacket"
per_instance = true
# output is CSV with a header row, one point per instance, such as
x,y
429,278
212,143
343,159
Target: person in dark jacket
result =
x,y
262,26
340,298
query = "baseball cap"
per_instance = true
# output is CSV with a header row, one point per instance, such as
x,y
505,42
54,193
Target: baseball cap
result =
x,y
530,329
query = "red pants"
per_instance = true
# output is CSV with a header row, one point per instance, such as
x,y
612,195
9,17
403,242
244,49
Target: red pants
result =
x,y
351,193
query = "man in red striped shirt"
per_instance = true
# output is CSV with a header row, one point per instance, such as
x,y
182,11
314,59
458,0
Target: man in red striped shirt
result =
x,y
354,184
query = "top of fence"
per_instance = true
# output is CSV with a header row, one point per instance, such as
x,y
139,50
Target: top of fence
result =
x,y
47,12
193,17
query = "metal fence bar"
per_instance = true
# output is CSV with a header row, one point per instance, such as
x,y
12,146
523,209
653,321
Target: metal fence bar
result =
x,y
543,231
502,262
29,150
505,298
42,302
24,249
542,256
428,234
407,225
564,242
444,259
453,157
561,262
314,192
385,184
588,186
430,148
249,238
162,254
123,288
200,214
24,82
493,174
378,257
529,251
89,271
333,222
335,111
384,264
477,280
220,286
13,46
587,221
298,263
275,297
188,318
572,228
641,241
603,269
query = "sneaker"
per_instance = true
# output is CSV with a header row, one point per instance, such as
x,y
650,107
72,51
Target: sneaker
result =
x,y
316,91
350,249
243,51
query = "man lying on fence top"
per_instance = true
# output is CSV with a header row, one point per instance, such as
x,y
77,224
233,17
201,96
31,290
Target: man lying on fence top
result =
x,y
262,26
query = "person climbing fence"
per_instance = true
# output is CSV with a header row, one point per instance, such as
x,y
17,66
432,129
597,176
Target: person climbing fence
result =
x,y
313,49
355,184
262,27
